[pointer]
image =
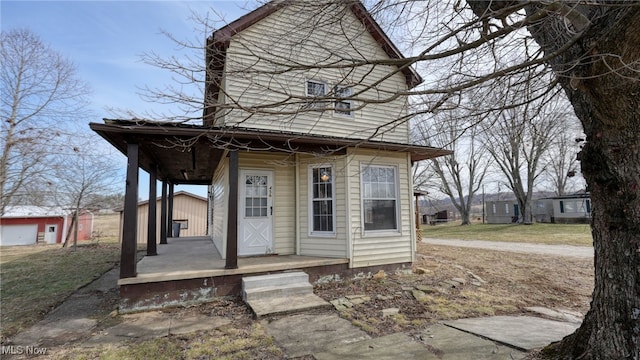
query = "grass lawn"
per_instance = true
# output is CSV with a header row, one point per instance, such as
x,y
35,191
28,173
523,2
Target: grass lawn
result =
x,y
35,279
566,234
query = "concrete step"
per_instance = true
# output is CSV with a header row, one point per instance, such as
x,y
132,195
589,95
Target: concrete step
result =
x,y
286,278
287,305
281,293
269,292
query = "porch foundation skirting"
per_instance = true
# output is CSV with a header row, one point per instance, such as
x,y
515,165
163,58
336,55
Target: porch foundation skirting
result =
x,y
143,296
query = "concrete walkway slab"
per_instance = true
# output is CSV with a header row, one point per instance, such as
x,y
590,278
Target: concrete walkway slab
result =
x,y
560,315
286,305
51,334
304,334
451,344
151,325
75,318
390,347
521,332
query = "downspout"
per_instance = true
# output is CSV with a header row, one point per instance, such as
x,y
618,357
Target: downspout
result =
x,y
297,202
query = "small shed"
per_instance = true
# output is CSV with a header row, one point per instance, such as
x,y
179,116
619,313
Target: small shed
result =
x,y
189,210
29,225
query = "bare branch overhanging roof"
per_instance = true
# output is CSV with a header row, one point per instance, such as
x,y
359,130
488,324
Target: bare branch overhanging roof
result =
x,y
189,154
223,35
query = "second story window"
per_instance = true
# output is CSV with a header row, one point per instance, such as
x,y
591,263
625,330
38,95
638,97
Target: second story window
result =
x,y
343,107
316,89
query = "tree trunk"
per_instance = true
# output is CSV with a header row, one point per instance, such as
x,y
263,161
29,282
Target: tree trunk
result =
x,y
66,239
605,93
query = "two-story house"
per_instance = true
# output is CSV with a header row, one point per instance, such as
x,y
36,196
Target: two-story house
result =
x,y
304,144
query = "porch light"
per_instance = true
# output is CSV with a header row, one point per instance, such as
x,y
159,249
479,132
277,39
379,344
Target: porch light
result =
x,y
324,176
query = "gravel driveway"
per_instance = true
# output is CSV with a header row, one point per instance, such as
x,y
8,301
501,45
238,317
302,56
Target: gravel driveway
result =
x,y
526,248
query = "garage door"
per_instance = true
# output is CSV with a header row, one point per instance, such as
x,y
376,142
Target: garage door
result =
x,y
18,234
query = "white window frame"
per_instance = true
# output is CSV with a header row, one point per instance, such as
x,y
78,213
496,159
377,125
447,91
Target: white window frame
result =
x,y
313,103
363,198
341,91
312,199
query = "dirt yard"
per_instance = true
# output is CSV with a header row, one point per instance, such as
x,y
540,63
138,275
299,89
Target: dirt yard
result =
x,y
450,283
447,283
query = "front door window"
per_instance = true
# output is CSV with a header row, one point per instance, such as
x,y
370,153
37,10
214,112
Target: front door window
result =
x,y
256,198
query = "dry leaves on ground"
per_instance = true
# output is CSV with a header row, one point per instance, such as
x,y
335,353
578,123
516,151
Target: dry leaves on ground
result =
x,y
459,282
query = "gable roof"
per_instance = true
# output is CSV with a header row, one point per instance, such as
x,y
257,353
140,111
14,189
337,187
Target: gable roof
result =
x,y
222,36
32,211
176,194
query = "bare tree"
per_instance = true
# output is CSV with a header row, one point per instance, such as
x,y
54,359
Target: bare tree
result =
x,y
592,50
41,96
517,141
562,173
85,174
461,174
589,48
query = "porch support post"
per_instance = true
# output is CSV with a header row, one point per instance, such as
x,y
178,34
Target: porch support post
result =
x,y
130,222
232,213
417,211
163,214
170,212
152,223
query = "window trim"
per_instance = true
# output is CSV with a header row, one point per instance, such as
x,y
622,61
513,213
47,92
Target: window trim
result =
x,y
312,102
337,89
381,232
311,232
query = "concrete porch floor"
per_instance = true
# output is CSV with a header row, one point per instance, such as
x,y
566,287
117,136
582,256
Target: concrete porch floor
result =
x,y
196,257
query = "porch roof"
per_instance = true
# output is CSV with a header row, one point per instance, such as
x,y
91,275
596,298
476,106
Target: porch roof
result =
x,y
189,154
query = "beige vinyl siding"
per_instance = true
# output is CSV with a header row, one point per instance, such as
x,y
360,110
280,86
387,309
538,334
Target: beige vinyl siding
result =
x,y
327,246
219,197
184,207
286,35
370,249
284,206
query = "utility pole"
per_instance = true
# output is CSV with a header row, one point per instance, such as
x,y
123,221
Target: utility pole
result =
x,y
483,205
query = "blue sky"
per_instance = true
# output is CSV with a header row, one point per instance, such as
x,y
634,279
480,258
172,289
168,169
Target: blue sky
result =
x,y
105,40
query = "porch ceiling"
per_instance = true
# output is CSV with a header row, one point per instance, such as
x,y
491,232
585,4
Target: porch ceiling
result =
x,y
181,158
189,154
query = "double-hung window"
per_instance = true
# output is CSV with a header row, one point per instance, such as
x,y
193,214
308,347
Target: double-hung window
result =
x,y
343,107
322,211
316,89
379,198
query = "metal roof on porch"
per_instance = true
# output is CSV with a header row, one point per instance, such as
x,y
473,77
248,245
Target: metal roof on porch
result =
x,y
189,154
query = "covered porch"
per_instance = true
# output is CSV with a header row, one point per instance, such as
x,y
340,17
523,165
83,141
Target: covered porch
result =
x,y
190,270
196,257
179,271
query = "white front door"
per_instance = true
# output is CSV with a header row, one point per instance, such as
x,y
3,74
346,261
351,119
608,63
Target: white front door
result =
x,y
50,234
255,210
